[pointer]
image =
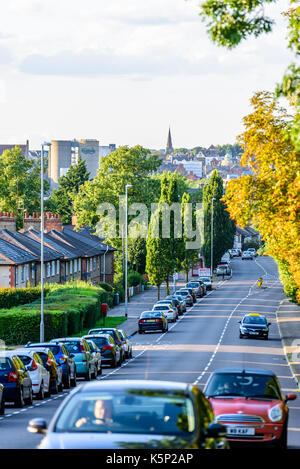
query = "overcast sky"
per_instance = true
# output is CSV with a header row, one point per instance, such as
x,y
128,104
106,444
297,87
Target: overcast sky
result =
x,y
123,71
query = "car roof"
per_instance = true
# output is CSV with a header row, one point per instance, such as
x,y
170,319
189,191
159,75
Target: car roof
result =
x,y
42,348
104,329
244,370
65,339
42,344
144,312
7,353
121,385
95,336
255,315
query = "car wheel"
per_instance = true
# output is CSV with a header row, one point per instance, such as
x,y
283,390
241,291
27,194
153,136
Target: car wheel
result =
x,y
88,375
73,380
54,388
266,337
2,407
100,371
67,382
41,394
20,400
29,399
241,336
114,363
140,332
60,387
130,355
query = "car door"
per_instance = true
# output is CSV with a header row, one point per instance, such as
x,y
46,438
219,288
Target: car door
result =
x,y
89,356
45,374
24,377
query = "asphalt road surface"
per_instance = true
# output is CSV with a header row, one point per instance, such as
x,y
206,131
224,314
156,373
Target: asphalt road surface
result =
x,y
205,338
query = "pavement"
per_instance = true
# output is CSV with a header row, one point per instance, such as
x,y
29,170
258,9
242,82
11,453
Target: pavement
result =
x,y
288,319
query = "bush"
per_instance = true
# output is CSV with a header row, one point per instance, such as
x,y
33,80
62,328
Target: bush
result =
x,y
289,286
254,243
10,297
134,279
106,286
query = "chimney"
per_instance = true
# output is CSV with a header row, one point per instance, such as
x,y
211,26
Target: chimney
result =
x,y
32,222
53,222
8,222
74,219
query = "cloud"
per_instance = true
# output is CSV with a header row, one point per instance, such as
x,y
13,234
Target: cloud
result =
x,y
6,56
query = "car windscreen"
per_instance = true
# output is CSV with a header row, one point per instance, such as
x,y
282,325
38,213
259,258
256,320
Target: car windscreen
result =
x,y
150,315
73,346
205,279
254,320
242,384
26,360
5,364
129,411
161,308
100,341
54,349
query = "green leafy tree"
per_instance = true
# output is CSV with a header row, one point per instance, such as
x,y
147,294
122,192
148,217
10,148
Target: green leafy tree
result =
x,y
20,184
62,198
187,258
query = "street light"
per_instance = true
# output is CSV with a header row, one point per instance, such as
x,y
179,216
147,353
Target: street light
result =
x,y
126,245
42,325
211,236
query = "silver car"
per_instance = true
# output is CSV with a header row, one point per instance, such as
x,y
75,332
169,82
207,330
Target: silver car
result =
x,y
126,342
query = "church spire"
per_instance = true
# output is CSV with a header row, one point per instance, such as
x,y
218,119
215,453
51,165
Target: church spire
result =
x,y
169,148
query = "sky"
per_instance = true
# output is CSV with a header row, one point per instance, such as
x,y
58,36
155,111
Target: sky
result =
x,y
124,71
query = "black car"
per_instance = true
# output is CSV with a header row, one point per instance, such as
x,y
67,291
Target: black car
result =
x,y
15,379
152,321
110,352
63,358
129,414
115,335
254,325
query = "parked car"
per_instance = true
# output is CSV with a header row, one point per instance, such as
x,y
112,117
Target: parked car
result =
x,y
181,301
51,365
39,376
235,252
110,351
254,325
191,292
63,358
223,269
96,353
15,379
251,406
126,342
187,296
152,321
115,335
207,282
80,350
247,255
197,288
2,400
167,310
179,304
132,414
170,303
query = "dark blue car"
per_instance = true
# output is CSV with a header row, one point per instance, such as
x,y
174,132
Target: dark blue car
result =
x,y
62,357
15,379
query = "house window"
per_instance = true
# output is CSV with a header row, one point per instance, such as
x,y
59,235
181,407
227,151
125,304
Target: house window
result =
x,y
23,274
17,275
57,267
67,268
79,265
48,268
75,266
53,268
71,267
91,264
95,263
27,272
32,271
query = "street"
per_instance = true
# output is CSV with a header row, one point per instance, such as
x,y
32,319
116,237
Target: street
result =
x,y
205,338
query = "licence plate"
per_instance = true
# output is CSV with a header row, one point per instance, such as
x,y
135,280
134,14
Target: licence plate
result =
x,y
240,431
151,320
253,333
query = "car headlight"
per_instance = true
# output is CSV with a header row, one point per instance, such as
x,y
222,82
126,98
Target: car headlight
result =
x,y
243,329
275,413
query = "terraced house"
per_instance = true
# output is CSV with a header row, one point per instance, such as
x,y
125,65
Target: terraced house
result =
x,y
68,254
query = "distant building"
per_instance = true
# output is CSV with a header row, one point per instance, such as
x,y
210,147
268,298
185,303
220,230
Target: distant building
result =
x,y
169,147
106,150
24,148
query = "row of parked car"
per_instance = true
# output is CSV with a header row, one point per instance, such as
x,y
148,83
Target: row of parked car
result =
x,y
40,369
169,309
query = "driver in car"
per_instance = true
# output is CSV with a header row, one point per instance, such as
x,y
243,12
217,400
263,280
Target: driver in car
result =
x,y
103,413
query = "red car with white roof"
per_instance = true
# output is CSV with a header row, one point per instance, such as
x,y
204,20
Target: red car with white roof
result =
x,y
251,406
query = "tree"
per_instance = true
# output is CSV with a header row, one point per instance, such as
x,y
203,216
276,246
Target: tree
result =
x,y
62,198
223,228
269,198
20,184
187,258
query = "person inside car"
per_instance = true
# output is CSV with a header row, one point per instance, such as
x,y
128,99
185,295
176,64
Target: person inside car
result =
x,y
103,413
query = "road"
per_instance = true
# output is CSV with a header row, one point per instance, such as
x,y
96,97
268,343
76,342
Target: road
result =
x,y
203,339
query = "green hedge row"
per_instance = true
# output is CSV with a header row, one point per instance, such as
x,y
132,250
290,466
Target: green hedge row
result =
x,y
67,311
10,297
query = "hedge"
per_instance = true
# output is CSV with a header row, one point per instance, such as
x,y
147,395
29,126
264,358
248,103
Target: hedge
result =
x,y
67,310
10,297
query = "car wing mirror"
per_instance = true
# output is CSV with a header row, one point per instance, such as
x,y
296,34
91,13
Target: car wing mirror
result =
x,y
290,397
215,430
37,426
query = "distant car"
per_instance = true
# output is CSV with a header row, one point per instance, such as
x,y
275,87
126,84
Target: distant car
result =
x,y
39,376
187,296
223,269
254,325
80,350
181,301
51,365
172,304
167,309
63,358
15,379
176,303
197,287
152,321
110,351
126,342
253,251
207,281
192,293
96,356
235,252
115,335
251,406
132,414
247,255
2,400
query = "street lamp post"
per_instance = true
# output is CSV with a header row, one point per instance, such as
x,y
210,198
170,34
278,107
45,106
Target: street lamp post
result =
x,y
42,326
126,247
211,236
